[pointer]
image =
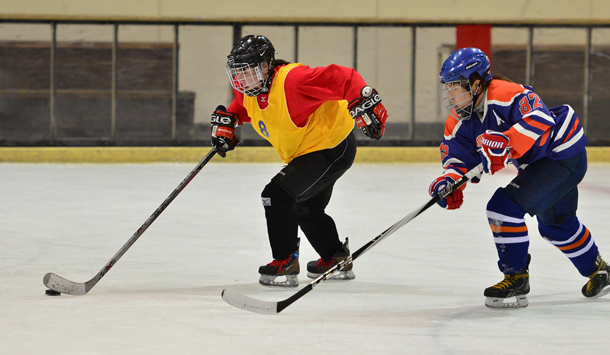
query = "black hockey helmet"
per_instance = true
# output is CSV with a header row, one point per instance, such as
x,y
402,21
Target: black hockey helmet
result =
x,y
252,49
249,65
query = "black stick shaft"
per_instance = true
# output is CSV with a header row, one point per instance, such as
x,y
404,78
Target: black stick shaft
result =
x,y
355,255
157,212
60,284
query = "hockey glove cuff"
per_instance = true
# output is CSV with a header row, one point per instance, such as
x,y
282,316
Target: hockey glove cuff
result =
x,y
452,201
223,130
494,150
370,114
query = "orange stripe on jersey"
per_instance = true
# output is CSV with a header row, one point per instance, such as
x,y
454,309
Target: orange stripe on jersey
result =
x,y
455,177
500,229
532,122
574,127
577,243
520,143
454,167
544,137
503,91
450,125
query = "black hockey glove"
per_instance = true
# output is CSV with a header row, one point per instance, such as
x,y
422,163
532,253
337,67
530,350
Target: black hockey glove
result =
x,y
223,130
369,113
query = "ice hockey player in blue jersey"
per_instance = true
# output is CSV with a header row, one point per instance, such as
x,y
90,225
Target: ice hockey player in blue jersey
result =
x,y
493,121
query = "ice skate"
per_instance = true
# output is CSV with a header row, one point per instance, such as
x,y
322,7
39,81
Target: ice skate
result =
x,y
510,292
599,284
287,268
317,268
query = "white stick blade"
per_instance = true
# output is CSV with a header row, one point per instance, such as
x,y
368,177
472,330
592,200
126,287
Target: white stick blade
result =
x,y
241,301
62,285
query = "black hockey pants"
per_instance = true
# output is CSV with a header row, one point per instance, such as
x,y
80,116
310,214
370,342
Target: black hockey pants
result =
x,y
297,197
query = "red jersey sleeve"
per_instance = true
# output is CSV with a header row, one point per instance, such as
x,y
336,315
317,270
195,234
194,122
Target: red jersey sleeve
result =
x,y
307,88
238,108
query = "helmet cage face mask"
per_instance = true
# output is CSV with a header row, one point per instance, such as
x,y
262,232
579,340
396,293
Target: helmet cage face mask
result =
x,y
455,90
248,78
249,65
457,99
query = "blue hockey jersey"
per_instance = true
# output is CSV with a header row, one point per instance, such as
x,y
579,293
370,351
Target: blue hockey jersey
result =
x,y
534,130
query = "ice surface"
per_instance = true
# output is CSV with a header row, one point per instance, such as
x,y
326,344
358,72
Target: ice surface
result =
x,y
418,292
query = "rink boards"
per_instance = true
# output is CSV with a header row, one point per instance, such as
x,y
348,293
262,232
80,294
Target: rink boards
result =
x,y
241,154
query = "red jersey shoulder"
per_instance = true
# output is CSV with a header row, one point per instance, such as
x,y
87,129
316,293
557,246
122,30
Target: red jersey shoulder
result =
x,y
297,74
295,78
503,91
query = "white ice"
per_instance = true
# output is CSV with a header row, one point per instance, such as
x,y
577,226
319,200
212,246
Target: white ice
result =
x,y
418,292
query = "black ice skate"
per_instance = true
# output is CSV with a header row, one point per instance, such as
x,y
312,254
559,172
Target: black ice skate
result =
x,y
317,268
599,284
511,292
288,267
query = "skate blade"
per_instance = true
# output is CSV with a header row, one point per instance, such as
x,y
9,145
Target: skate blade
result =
x,y
507,303
339,276
270,281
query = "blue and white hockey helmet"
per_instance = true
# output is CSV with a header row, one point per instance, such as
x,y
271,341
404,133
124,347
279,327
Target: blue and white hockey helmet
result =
x,y
464,62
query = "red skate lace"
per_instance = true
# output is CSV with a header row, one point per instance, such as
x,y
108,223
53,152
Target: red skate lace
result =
x,y
326,264
279,263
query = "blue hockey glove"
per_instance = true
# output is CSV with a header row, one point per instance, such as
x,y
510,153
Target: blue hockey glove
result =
x,y
494,150
454,200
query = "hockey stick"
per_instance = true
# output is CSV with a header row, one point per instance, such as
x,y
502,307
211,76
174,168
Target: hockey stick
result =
x,y
242,301
59,284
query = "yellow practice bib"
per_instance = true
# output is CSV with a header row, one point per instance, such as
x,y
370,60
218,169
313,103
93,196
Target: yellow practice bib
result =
x,y
326,127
